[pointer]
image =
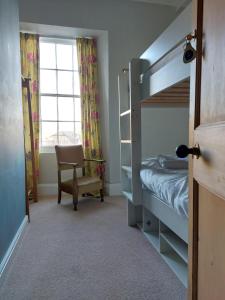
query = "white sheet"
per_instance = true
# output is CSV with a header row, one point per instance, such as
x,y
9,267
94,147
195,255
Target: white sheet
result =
x,y
170,185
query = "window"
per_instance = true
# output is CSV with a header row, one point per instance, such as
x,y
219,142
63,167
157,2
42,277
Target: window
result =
x,y
60,107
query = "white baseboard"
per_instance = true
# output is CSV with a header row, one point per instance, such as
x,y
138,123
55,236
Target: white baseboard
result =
x,y
12,246
47,189
51,189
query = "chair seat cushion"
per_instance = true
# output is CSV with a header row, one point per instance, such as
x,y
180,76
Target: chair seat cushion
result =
x,y
85,180
85,184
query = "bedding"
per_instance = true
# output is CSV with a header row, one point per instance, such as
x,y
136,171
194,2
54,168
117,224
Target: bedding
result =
x,y
169,184
171,162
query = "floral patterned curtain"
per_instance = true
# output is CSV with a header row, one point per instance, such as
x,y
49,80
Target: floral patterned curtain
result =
x,y
29,47
87,61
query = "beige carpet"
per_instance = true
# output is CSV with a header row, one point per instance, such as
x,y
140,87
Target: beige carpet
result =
x,y
90,254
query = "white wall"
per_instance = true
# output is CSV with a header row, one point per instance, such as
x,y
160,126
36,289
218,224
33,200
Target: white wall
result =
x,y
163,129
131,27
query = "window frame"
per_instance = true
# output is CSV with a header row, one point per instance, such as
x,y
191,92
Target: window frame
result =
x,y
57,95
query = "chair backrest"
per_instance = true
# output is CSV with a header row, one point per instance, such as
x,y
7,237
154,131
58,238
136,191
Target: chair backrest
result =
x,y
70,154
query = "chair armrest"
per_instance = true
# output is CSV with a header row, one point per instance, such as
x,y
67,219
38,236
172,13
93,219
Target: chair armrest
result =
x,y
101,166
95,160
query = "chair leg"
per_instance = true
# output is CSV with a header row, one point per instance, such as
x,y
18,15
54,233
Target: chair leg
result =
x,y
102,195
59,196
75,201
75,207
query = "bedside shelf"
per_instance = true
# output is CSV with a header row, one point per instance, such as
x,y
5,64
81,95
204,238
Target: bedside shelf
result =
x,y
128,169
128,195
125,113
125,141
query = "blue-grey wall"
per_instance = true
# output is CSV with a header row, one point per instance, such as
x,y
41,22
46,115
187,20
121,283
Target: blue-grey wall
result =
x,y
12,191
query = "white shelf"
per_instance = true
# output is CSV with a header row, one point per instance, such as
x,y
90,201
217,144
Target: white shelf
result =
x,y
128,195
153,238
125,141
177,265
127,112
127,169
179,246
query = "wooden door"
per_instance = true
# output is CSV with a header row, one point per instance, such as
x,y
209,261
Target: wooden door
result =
x,y
207,173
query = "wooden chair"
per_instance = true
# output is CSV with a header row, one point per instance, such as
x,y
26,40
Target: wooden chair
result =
x,y
72,157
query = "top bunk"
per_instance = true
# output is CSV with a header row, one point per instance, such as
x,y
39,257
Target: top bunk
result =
x,y
177,95
164,77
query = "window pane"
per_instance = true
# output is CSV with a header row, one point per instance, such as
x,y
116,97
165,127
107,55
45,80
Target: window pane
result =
x,y
49,133
78,136
66,109
77,109
66,133
64,57
75,61
48,108
47,55
48,81
65,83
76,83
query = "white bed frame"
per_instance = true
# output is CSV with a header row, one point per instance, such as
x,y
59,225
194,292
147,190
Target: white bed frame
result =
x,y
158,78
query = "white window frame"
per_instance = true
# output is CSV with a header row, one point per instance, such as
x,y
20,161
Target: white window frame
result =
x,y
64,41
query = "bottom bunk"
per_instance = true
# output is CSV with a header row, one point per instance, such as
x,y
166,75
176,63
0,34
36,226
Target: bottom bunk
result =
x,y
167,231
163,215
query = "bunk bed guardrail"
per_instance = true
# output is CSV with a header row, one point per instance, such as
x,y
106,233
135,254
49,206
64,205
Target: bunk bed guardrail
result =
x,y
177,49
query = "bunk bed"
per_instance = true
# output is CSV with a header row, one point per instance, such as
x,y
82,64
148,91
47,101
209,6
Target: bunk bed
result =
x,y
159,78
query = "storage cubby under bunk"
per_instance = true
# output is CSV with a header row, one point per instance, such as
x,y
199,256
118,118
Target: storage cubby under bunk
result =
x,y
154,115
167,232
168,244
172,248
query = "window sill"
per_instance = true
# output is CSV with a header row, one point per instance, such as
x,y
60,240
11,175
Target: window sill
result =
x,y
46,150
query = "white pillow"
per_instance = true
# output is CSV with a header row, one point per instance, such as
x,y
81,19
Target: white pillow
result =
x,y
172,162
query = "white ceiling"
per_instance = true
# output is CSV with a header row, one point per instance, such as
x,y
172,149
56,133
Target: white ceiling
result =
x,y
175,3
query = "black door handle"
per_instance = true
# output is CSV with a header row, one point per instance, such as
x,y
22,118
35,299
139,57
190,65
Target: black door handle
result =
x,y
183,151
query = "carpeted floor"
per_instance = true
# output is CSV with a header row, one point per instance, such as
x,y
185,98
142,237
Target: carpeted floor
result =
x,y
90,254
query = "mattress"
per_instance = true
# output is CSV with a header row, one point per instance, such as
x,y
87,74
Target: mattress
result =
x,y
169,184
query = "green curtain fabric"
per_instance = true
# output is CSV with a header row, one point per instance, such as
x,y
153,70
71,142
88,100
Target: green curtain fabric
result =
x,y
88,71
29,47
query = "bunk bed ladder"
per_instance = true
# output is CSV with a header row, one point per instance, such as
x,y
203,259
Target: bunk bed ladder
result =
x,y
130,139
